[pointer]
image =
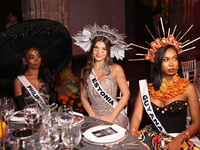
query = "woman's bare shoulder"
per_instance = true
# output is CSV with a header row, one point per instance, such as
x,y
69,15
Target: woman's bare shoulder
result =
x,y
16,80
190,90
17,83
116,67
190,87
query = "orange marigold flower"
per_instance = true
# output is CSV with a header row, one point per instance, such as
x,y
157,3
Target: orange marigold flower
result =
x,y
81,110
79,104
69,94
66,98
77,109
73,96
62,97
71,102
64,102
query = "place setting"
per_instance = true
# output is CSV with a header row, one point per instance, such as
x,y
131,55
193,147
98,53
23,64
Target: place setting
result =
x,y
110,136
38,125
36,129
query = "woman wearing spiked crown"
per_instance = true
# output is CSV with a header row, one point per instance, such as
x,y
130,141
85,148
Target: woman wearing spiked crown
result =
x,y
101,77
166,98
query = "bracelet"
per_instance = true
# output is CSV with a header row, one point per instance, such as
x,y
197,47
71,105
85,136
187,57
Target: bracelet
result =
x,y
134,132
186,135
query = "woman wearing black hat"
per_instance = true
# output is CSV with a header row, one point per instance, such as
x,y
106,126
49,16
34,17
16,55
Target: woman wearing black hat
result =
x,y
38,76
50,39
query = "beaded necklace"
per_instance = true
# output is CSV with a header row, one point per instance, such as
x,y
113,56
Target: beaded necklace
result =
x,y
169,89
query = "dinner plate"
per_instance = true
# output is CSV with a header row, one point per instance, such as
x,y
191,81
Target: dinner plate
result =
x,y
104,134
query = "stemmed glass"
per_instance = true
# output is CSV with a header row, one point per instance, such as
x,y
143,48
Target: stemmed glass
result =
x,y
50,118
7,107
65,114
49,137
71,136
31,115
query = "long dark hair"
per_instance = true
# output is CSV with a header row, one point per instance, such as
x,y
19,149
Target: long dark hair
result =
x,y
156,73
44,74
90,59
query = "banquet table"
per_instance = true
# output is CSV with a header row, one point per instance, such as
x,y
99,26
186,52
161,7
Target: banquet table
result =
x,y
83,145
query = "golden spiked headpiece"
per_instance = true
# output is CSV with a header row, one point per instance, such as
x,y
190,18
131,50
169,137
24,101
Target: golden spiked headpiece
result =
x,y
159,42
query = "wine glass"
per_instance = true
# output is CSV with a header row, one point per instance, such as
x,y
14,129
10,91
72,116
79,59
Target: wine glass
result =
x,y
23,143
71,136
50,118
65,114
31,115
49,137
7,107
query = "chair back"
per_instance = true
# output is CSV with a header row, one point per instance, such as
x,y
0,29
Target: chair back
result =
x,y
189,70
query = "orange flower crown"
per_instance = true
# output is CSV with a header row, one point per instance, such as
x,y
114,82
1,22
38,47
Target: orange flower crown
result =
x,y
160,42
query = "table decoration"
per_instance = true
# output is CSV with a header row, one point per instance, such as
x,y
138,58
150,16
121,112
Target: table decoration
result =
x,y
72,99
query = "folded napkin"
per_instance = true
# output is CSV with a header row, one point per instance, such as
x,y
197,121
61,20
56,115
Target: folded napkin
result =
x,y
105,133
77,113
17,116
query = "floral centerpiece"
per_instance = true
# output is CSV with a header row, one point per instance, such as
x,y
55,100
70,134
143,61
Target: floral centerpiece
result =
x,y
68,88
73,100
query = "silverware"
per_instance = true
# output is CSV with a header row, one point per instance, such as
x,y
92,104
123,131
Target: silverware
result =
x,y
90,122
84,128
126,145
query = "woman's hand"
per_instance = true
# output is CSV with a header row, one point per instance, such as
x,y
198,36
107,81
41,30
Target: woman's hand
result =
x,y
94,116
175,144
107,118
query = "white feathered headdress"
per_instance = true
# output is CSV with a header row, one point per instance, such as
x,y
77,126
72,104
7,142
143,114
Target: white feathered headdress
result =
x,y
84,38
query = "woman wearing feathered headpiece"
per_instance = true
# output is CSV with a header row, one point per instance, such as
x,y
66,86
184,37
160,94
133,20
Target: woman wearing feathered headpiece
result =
x,y
101,77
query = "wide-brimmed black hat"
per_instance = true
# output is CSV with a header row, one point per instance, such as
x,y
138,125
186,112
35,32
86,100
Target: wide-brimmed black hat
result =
x,y
51,37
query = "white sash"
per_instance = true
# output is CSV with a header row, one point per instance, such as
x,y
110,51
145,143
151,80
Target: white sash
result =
x,y
147,105
113,103
34,93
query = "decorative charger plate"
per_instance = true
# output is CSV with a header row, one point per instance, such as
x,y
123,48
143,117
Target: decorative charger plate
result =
x,y
24,132
104,134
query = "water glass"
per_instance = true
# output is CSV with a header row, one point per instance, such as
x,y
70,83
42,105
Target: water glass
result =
x,y
31,115
24,143
65,114
7,107
71,136
49,137
50,118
